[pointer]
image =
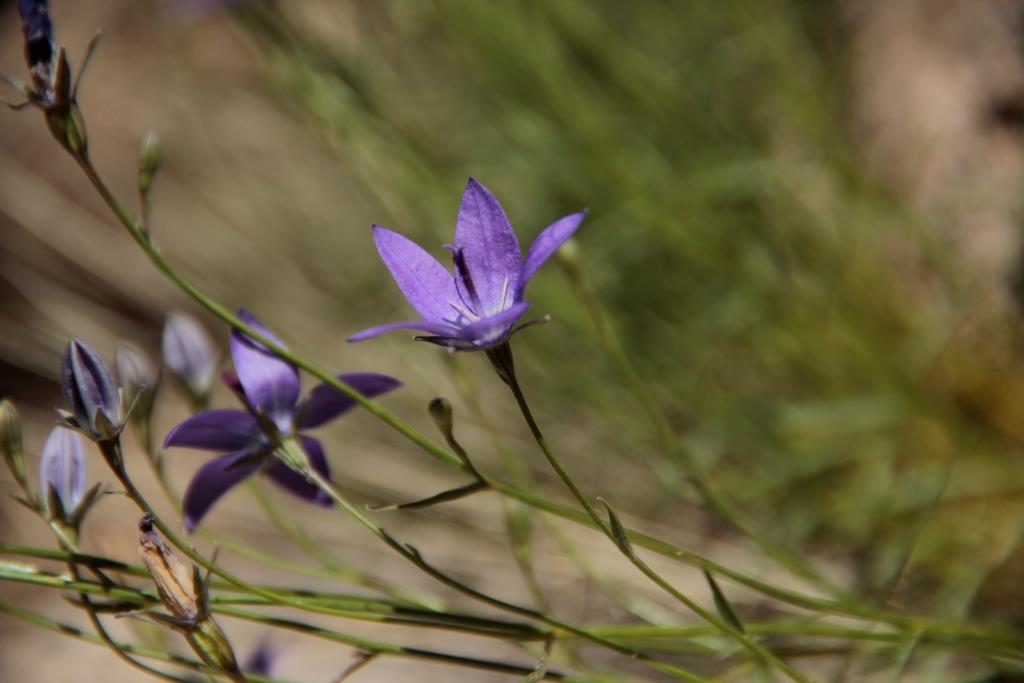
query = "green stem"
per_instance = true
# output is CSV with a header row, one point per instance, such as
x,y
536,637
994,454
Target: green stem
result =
x,y
43,622
374,646
111,449
413,556
501,358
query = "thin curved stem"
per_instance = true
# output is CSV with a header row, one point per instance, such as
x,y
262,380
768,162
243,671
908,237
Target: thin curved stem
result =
x,y
48,624
412,555
363,644
111,449
501,358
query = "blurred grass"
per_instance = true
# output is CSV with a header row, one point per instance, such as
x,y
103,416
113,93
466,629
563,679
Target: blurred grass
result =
x,y
811,340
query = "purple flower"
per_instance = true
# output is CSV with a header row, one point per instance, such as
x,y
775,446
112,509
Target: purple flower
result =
x,y
269,387
477,306
62,469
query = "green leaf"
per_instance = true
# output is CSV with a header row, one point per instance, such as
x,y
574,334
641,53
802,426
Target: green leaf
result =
x,y
618,531
722,605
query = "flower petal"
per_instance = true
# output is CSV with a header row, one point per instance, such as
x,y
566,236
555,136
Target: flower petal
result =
x,y
442,329
225,429
212,481
271,385
495,329
88,385
484,236
294,482
427,285
546,244
62,466
326,403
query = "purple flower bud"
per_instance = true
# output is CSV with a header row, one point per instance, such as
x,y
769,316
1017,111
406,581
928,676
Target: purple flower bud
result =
x,y
261,660
189,353
135,373
35,24
62,468
90,390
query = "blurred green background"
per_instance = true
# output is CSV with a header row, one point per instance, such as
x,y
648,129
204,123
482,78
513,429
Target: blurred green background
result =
x,y
803,235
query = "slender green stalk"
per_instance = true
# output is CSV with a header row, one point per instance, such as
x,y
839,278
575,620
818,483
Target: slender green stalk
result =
x,y
378,647
111,449
48,624
375,646
334,568
501,358
413,556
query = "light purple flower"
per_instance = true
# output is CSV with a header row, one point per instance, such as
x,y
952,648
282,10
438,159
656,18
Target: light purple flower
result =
x,y
62,469
189,353
476,306
269,387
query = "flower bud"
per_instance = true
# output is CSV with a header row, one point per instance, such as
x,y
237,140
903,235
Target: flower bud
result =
x,y
90,390
209,642
137,377
189,353
568,254
10,440
149,160
441,411
261,660
62,471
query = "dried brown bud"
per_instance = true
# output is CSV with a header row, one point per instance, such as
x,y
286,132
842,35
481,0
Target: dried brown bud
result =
x,y
180,587
440,410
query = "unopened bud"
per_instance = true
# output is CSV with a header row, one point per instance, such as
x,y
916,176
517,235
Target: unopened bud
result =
x,y
568,254
189,353
149,160
90,390
10,440
441,411
62,472
261,660
209,642
137,377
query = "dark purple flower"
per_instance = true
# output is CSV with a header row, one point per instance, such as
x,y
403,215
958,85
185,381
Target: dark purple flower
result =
x,y
90,389
269,388
476,306
62,468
